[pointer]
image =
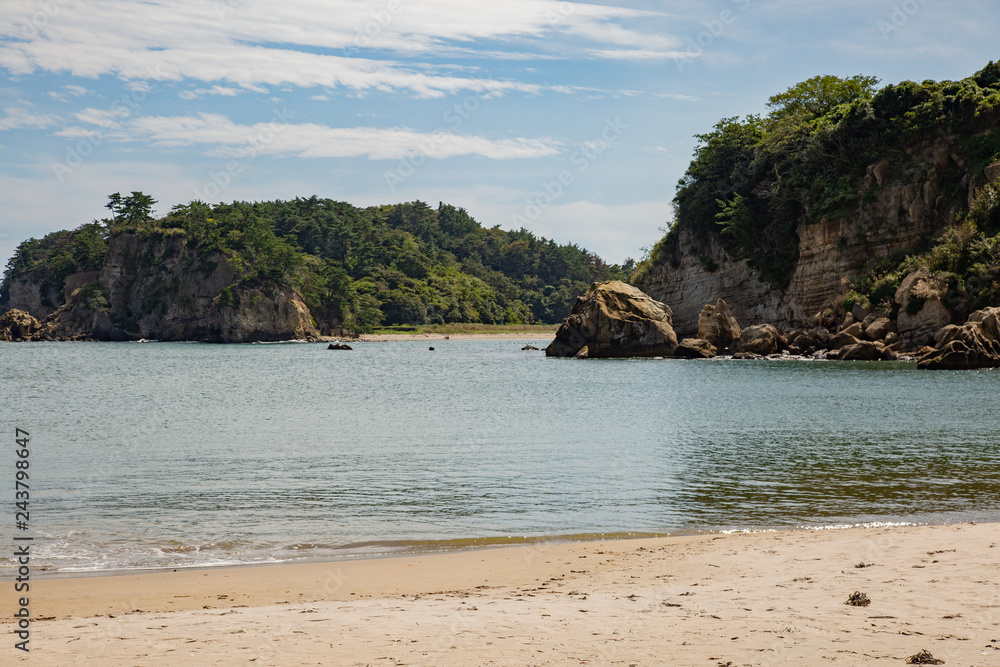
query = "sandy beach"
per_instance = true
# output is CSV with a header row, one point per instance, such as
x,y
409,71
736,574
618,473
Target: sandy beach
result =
x,y
739,599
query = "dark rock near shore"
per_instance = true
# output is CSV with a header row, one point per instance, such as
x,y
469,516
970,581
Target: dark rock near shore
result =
x,y
339,346
529,347
615,320
842,340
695,348
880,328
866,351
856,330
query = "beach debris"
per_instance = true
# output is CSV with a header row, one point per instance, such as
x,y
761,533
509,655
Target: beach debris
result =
x,y
863,564
858,599
923,658
339,346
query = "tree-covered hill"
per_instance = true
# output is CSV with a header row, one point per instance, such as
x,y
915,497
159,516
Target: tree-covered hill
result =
x,y
356,268
834,149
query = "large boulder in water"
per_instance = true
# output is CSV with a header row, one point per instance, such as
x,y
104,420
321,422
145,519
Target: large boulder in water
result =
x,y
616,320
975,344
18,325
762,339
717,325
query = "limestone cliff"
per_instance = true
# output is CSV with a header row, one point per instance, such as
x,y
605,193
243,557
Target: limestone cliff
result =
x,y
160,288
903,214
777,222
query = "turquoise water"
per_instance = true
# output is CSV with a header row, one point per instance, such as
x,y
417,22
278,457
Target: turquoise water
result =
x,y
171,455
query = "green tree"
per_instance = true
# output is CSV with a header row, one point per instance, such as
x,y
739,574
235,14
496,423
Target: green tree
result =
x,y
135,210
819,95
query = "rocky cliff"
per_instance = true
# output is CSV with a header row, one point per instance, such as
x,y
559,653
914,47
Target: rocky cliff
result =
x,y
160,288
780,215
902,216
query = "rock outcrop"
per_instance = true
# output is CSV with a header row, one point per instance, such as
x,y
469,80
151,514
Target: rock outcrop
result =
x,y
615,320
695,348
161,288
866,350
897,215
18,325
717,325
975,344
761,339
921,310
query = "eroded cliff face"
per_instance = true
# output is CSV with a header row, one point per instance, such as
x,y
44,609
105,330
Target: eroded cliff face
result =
x,y
160,288
901,203
27,294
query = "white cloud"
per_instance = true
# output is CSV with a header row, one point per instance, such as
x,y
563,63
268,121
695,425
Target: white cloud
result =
x,y
254,43
15,118
224,91
223,137
68,92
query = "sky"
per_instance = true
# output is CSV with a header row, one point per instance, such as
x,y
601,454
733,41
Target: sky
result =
x,y
574,120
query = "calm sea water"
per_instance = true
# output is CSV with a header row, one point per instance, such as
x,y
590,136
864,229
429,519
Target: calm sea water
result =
x,y
172,455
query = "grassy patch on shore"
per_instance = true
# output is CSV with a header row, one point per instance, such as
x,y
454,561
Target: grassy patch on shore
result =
x,y
467,328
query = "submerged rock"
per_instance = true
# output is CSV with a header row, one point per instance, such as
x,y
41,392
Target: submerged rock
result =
x,y
616,320
529,347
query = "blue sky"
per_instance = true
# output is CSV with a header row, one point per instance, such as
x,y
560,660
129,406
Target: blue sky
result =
x,y
572,119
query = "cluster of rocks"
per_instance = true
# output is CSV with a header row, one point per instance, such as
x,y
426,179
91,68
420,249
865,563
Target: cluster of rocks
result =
x,y
17,325
618,320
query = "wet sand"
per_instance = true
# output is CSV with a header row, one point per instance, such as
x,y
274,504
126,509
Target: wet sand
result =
x,y
741,599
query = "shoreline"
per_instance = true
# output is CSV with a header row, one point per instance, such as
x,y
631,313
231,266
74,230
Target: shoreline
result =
x,y
749,598
385,338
